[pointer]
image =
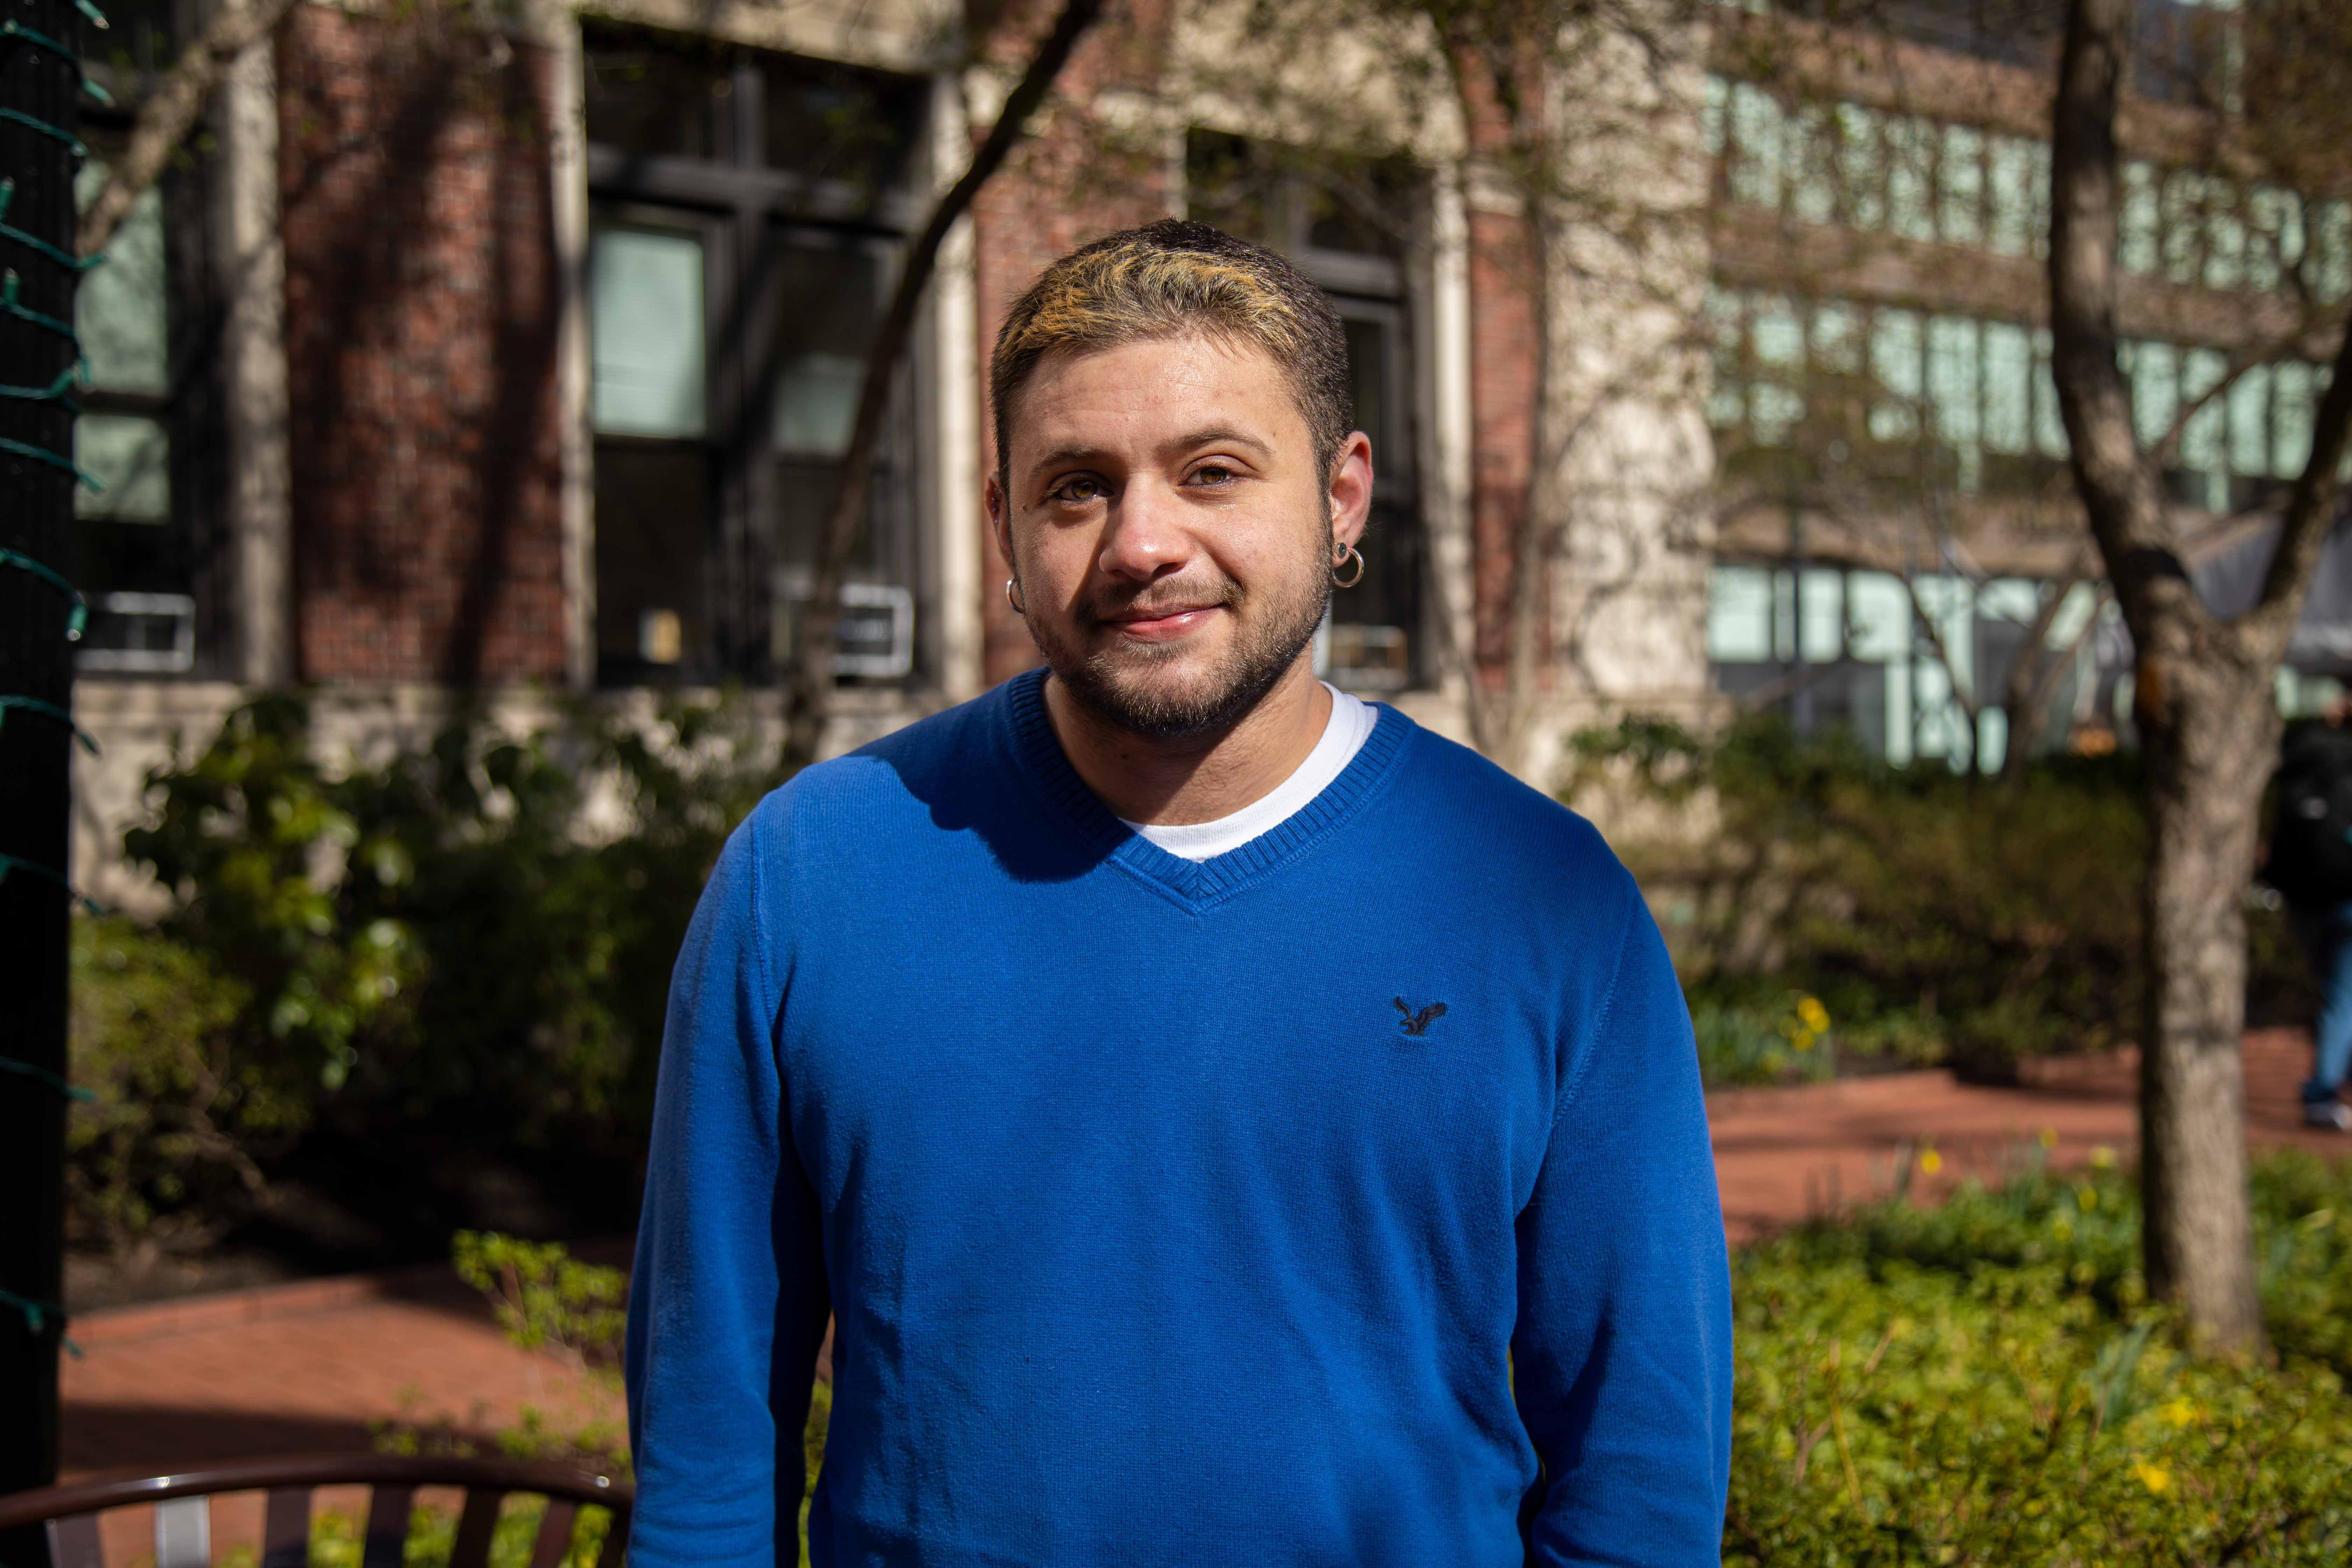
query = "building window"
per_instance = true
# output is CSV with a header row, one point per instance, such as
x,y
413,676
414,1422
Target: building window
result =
x,y
1349,223
1969,406
137,560
1901,663
748,210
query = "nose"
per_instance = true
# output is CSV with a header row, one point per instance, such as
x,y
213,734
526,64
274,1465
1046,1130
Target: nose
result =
x,y
1143,538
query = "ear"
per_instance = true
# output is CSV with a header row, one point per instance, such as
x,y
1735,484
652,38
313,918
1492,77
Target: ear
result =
x,y
1351,487
1000,516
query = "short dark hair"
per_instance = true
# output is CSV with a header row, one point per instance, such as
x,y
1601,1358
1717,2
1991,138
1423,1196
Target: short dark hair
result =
x,y
1165,279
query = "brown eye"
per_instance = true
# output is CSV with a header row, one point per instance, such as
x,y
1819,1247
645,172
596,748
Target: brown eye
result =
x,y
1212,474
1078,488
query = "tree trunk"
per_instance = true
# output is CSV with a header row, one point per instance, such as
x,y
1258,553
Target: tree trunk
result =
x,y
2204,708
2209,728
808,697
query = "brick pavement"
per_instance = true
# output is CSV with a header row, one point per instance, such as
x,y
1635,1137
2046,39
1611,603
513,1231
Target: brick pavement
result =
x,y
310,1366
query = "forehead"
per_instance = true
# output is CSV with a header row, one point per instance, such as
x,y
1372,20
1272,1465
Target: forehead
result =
x,y
1143,394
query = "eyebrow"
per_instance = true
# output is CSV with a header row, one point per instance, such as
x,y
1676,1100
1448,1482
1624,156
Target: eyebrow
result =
x,y
1207,436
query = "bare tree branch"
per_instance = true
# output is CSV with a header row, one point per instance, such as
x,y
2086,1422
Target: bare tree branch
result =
x,y
170,112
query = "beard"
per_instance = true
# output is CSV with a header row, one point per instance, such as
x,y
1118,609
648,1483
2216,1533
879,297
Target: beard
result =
x,y
1139,689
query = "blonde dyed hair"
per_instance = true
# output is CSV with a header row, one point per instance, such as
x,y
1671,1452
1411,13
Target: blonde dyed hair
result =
x,y
1169,280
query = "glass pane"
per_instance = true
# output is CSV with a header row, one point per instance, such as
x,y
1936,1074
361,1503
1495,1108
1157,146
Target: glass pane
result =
x,y
2049,422
1711,112
1756,155
653,521
827,302
1363,206
1837,339
2008,388
1739,615
2290,419
2202,441
2156,391
656,93
1952,387
1962,185
2225,236
2182,213
1910,177
132,458
119,309
834,121
1225,185
2140,225
647,328
2266,210
2332,251
1862,167
2009,191
2250,439
1779,334
1878,611
1812,165
1894,365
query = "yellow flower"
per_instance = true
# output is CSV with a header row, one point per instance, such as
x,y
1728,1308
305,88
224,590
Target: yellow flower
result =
x,y
1816,1016
2087,1197
2048,1139
1803,1039
2102,1157
2062,1227
2155,1478
1930,1162
2181,1412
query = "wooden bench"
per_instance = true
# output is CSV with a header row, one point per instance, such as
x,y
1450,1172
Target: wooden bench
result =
x,y
183,1508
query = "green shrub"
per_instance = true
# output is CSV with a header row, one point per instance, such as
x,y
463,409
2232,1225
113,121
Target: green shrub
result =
x,y
1984,1383
454,936
339,1540
168,1140
1786,1039
1939,916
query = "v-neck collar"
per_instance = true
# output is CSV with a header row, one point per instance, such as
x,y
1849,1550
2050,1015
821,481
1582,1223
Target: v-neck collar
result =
x,y
1037,752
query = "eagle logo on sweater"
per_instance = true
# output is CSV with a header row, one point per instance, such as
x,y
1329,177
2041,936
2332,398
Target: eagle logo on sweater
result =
x,y
1417,1024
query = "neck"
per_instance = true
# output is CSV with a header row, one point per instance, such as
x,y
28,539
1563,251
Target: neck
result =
x,y
1194,778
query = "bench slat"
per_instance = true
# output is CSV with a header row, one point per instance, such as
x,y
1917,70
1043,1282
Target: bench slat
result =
x,y
554,1533
475,1528
387,1526
73,1542
286,1528
184,1532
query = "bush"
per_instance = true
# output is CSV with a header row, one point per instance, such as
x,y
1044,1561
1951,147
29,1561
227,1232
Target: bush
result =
x,y
1935,914
1786,1039
1984,1383
442,941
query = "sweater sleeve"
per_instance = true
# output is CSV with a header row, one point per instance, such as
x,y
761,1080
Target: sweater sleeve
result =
x,y
727,1304
1622,1356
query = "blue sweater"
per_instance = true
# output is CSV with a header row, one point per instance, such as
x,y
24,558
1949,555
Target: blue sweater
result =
x,y
1345,1199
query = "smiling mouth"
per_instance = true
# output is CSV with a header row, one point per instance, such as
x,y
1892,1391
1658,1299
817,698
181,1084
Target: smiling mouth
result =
x,y
1161,624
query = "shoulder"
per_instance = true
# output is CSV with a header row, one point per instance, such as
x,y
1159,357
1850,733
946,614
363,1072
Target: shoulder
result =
x,y
1494,824
876,794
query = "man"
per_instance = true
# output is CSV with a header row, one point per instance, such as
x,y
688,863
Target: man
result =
x,y
1225,1122
2309,861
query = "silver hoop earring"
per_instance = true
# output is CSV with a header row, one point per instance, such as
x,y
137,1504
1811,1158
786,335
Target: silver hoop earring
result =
x,y
1014,600
1337,581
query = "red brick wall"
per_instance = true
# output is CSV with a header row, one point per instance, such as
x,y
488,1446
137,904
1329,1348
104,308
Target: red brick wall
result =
x,y
421,307
1058,191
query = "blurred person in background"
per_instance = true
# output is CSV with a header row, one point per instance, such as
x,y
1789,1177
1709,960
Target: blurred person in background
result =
x,y
2309,861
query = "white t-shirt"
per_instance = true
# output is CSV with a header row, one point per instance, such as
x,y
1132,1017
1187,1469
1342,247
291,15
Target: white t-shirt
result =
x,y
1349,727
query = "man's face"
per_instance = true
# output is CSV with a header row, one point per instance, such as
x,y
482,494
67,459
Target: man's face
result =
x,y
1170,528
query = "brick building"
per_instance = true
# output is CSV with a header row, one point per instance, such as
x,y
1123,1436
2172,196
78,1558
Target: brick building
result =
x,y
519,355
